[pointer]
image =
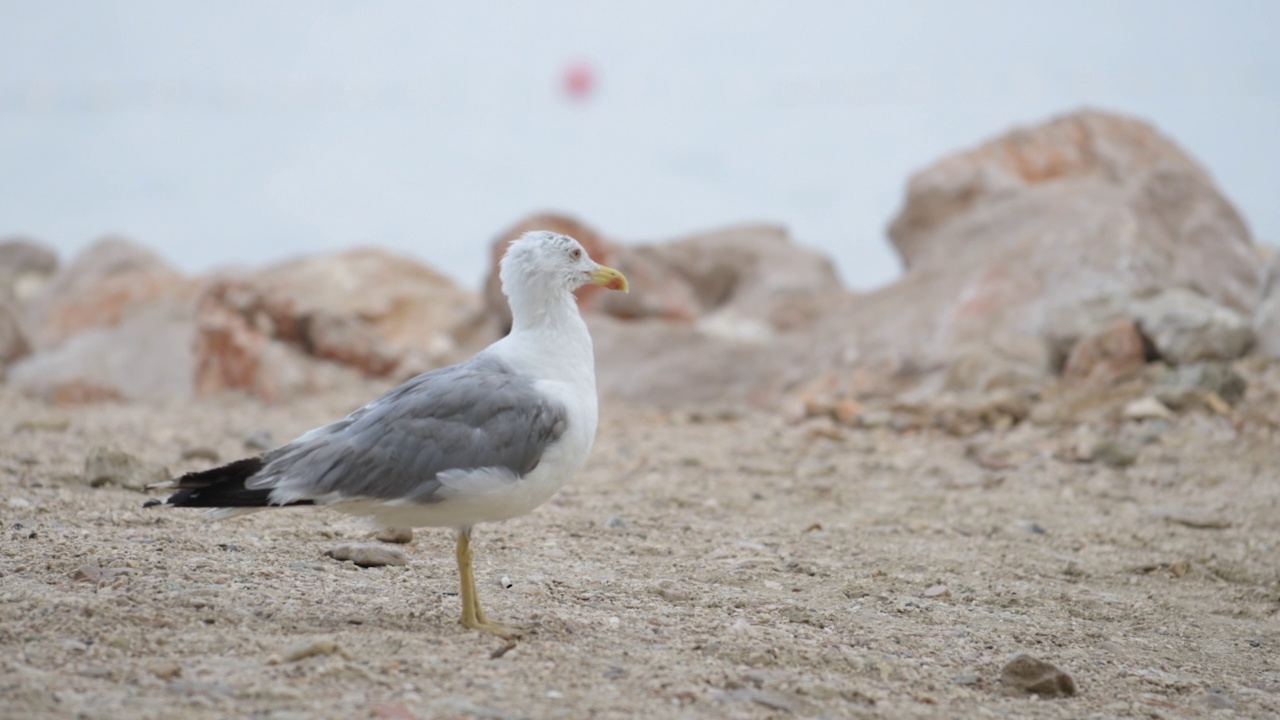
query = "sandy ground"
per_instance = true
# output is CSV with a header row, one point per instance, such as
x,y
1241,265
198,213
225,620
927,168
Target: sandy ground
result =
x,y
732,565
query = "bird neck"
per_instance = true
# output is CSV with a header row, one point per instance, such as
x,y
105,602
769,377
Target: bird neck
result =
x,y
553,310
549,337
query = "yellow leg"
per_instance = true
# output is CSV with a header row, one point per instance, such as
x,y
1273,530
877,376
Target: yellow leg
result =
x,y
473,616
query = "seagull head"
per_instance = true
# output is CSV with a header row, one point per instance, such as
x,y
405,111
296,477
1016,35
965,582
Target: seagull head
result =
x,y
542,261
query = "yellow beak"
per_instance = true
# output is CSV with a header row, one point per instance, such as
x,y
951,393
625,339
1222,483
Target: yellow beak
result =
x,y
610,278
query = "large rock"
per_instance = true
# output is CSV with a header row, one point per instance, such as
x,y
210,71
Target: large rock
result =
x,y
379,313
1150,215
674,364
115,323
99,289
1185,327
25,268
13,336
1179,325
1002,241
1266,319
746,282
145,356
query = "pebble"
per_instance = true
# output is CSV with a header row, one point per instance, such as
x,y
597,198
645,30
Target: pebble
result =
x,y
399,536
313,648
938,591
368,554
1024,674
391,711
260,439
54,423
201,452
110,466
1190,385
673,592
1114,453
615,521
1219,699
1147,408
166,669
1198,519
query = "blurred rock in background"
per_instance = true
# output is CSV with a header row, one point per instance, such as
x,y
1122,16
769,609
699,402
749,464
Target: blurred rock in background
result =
x,y
1080,255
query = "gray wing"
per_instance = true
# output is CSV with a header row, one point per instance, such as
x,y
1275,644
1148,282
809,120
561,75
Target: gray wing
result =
x,y
474,415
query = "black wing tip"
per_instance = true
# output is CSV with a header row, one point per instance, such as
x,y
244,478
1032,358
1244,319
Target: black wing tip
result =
x,y
222,486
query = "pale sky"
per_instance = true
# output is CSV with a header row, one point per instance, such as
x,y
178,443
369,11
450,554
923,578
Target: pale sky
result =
x,y
242,132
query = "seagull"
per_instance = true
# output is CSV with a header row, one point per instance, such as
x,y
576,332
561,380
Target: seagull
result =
x,y
488,439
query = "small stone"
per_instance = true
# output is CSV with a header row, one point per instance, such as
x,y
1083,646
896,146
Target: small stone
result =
x,y
166,669
260,439
43,424
875,418
1180,568
615,521
1198,519
201,452
1219,699
773,701
395,535
1189,385
1106,357
368,554
847,411
109,466
1147,408
1114,453
391,711
938,591
89,572
1024,674
671,592
313,648
966,679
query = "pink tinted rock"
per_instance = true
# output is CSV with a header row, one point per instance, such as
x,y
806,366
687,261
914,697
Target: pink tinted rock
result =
x,y
1104,358
99,288
381,314
13,336
146,355
25,267
1006,244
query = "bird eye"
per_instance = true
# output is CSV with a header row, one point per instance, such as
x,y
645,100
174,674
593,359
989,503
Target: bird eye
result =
x,y
575,253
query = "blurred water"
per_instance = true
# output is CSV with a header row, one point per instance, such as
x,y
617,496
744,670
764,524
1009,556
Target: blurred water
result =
x,y
243,132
